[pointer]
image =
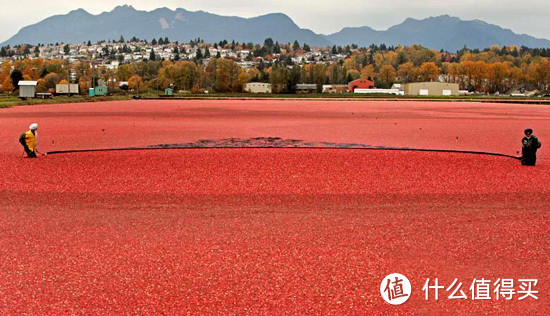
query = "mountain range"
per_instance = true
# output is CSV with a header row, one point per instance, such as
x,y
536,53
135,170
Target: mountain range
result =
x,y
441,32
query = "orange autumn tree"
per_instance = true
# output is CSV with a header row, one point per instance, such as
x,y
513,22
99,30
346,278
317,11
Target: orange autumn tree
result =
x,y
84,84
182,74
368,72
50,80
407,72
474,72
136,83
253,74
7,86
41,85
353,74
429,72
539,74
242,79
5,70
498,77
387,74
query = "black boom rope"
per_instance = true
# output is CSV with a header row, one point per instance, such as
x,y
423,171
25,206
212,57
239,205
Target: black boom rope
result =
x,y
282,147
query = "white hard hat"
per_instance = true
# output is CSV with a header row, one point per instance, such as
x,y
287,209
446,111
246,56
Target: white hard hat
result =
x,y
33,127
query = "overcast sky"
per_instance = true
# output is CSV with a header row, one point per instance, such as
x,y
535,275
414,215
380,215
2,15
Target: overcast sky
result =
x,y
321,16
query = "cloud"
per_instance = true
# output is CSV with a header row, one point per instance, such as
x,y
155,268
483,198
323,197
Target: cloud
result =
x,y
321,16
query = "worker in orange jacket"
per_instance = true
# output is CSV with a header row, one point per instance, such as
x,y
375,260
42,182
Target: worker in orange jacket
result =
x,y
28,141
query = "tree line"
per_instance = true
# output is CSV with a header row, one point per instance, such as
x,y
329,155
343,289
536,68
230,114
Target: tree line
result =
x,y
496,69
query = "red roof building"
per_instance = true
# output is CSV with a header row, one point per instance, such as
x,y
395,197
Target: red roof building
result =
x,y
360,84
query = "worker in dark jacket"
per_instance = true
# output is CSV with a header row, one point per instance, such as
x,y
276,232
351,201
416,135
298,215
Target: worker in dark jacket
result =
x,y
28,141
529,145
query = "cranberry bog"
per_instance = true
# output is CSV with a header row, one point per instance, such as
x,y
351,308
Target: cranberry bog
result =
x,y
309,230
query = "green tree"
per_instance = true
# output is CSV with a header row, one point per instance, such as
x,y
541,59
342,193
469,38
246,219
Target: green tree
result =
x,y
184,75
401,58
277,48
319,75
294,78
225,75
16,76
279,78
268,42
124,72
419,55
296,45
199,55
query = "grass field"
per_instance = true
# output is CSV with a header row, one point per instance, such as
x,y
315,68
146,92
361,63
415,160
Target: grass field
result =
x,y
269,230
10,101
